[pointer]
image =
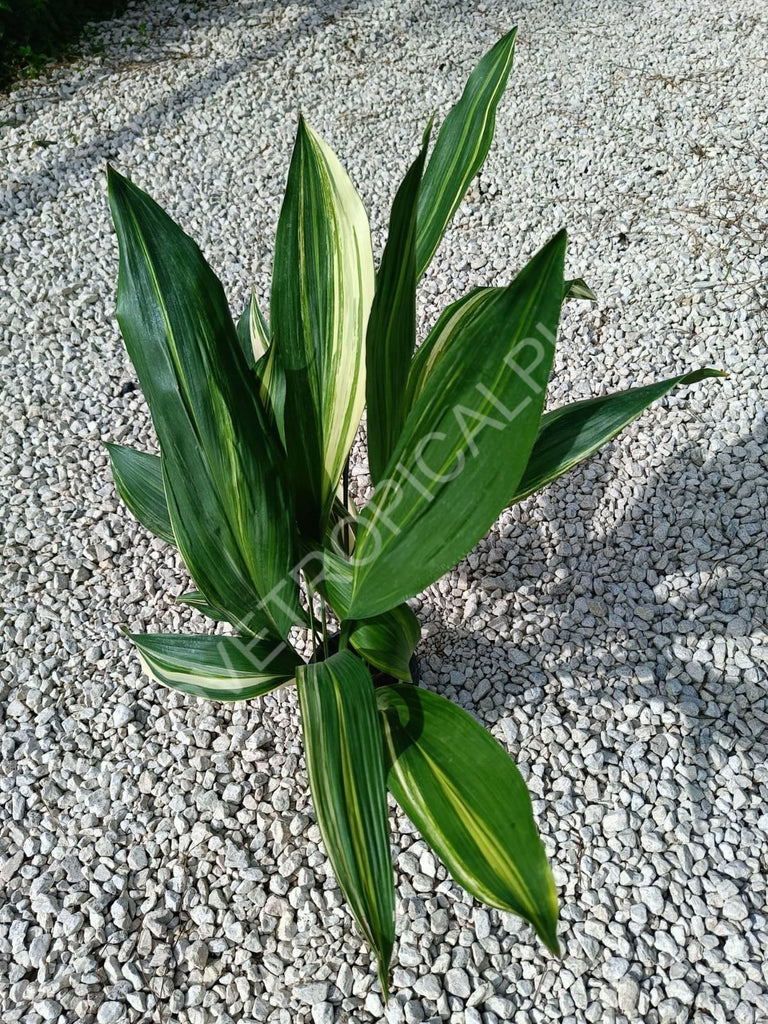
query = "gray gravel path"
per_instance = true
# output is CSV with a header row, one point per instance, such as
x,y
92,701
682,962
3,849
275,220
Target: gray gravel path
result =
x,y
159,858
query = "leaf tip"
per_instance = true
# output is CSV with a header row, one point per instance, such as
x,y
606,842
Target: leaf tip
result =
x,y
305,129
115,180
705,372
383,973
553,945
428,130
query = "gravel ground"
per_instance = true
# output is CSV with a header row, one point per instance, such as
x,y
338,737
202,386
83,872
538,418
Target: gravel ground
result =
x,y
159,856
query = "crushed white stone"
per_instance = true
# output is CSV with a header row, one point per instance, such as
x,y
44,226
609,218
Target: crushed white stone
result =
x,y
160,856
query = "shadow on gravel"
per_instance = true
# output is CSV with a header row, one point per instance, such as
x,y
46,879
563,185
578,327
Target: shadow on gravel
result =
x,y
693,518
81,159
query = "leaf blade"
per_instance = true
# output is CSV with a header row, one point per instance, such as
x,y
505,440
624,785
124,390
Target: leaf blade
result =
x,y
391,335
344,758
138,477
197,600
322,288
440,762
388,641
253,332
461,147
216,667
226,499
574,432
441,468
448,326
577,288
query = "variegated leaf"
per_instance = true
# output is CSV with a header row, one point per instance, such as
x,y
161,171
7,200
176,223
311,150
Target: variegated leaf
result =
x,y
322,289
197,600
577,288
253,332
461,147
223,668
388,641
342,743
272,377
465,443
451,324
391,336
463,792
572,433
228,505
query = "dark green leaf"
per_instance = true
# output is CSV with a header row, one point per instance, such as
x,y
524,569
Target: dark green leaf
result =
x,y
197,600
388,641
465,443
461,147
253,333
391,336
450,325
335,581
230,511
138,477
462,791
572,433
342,743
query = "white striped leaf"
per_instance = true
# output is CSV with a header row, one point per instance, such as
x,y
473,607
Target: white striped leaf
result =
x,y
450,325
139,480
572,433
391,336
138,477
386,641
342,744
465,443
577,288
272,377
229,508
222,668
335,581
253,332
463,792
461,147
322,288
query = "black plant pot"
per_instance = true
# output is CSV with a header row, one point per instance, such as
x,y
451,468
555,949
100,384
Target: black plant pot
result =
x,y
379,678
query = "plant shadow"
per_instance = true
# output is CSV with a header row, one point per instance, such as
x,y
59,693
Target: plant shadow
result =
x,y
82,160
618,607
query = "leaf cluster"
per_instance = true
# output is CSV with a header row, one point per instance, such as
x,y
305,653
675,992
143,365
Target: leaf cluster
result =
x,y
255,421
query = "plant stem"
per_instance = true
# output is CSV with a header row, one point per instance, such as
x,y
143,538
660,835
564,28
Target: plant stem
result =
x,y
311,602
325,626
345,498
346,628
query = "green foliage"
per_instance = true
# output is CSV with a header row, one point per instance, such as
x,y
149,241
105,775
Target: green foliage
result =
x,y
255,424
34,31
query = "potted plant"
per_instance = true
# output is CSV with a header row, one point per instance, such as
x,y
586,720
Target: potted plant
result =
x,y
255,424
